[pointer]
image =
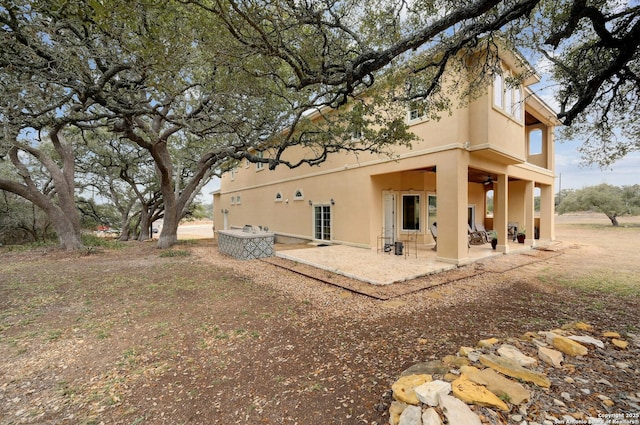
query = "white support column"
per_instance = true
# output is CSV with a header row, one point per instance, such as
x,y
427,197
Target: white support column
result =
x,y
453,197
529,211
500,208
547,214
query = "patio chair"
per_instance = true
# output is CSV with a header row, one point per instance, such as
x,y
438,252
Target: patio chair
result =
x,y
475,238
483,232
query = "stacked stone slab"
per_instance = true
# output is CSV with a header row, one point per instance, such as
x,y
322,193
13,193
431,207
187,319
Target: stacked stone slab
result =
x,y
496,382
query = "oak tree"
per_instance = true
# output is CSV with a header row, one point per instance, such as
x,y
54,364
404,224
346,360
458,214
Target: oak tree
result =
x,y
613,201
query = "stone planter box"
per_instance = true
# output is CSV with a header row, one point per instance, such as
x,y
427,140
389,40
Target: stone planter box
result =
x,y
246,245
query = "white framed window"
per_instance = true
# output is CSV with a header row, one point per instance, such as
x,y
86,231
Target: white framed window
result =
x,y
488,204
517,103
498,100
260,165
279,197
298,195
506,96
417,110
410,212
535,141
238,202
233,200
232,174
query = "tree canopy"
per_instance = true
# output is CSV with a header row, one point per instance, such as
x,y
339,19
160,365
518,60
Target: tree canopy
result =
x,y
189,98
613,201
197,85
339,48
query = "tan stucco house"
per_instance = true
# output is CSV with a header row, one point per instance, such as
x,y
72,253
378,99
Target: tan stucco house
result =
x,y
498,147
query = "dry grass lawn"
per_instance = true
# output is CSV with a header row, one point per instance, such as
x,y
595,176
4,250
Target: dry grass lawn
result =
x,y
133,335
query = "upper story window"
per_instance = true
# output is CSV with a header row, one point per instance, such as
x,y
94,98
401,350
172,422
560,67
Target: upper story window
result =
x,y
535,142
278,197
233,173
417,110
298,195
260,165
507,96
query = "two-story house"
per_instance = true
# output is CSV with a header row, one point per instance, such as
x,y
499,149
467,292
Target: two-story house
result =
x,y
495,153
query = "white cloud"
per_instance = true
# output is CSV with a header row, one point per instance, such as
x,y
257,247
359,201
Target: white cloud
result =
x,y
572,175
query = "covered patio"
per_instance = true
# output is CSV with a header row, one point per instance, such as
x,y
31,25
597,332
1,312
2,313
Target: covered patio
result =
x,y
385,268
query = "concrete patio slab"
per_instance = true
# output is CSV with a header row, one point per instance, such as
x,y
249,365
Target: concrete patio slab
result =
x,y
377,268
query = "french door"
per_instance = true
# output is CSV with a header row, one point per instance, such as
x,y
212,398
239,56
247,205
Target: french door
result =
x,y
322,222
389,217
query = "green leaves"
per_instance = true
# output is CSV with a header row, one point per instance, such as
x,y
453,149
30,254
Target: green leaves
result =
x,y
613,201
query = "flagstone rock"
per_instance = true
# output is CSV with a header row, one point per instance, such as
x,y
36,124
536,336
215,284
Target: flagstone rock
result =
x,y
550,356
455,361
434,367
431,417
472,393
566,345
450,377
494,398
583,326
585,339
620,343
486,343
510,352
412,415
468,370
514,370
464,351
501,386
457,412
395,410
404,388
430,392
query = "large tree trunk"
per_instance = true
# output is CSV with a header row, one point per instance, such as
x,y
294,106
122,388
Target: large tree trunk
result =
x,y
125,226
144,223
66,228
169,234
61,209
65,221
164,167
614,220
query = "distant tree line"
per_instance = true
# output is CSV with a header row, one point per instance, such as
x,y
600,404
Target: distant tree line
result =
x,y
613,201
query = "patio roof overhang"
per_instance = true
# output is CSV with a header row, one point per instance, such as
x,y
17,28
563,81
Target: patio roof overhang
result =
x,y
490,153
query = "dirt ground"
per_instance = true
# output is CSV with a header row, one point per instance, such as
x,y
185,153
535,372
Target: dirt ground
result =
x,y
140,336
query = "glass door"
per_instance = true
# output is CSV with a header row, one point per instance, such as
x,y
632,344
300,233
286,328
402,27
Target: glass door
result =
x,y
322,222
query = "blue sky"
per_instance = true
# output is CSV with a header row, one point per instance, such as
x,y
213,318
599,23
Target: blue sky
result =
x,y
571,171
572,175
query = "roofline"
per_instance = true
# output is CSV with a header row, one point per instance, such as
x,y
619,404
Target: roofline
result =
x,y
533,98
